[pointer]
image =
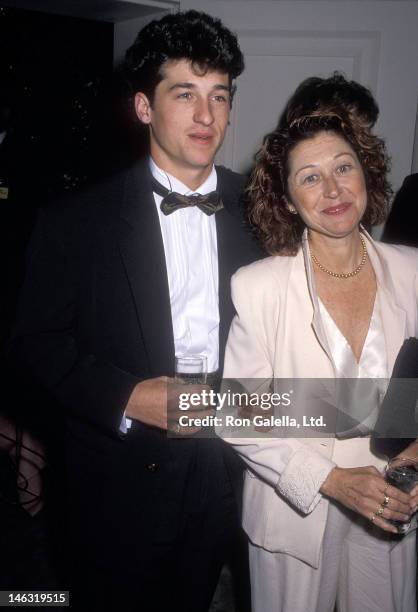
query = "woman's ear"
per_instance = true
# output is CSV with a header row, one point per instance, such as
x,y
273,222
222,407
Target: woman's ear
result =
x,y
290,207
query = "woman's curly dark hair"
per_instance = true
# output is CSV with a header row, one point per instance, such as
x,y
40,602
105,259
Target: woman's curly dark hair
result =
x,y
280,231
190,35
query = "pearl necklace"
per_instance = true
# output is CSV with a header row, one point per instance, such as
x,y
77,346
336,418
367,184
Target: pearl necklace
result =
x,y
344,274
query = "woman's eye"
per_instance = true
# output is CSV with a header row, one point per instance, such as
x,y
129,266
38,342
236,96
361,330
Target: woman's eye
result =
x,y
344,168
310,179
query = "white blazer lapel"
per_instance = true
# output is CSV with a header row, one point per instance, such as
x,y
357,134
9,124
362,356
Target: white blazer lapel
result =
x,y
393,317
317,324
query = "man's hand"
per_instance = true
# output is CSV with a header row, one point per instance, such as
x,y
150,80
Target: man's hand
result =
x,y
156,402
363,490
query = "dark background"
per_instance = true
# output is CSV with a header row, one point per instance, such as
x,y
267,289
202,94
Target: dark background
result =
x,y
68,127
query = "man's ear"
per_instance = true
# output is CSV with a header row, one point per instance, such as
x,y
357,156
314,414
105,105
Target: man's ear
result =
x,y
142,108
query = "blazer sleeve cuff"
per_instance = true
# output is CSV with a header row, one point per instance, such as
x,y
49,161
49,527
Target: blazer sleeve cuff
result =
x,y
302,478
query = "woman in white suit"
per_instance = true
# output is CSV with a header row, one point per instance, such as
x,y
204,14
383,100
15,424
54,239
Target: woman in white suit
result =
x,y
329,303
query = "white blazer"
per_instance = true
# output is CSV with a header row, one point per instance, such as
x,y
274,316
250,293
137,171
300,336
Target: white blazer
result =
x,y
278,333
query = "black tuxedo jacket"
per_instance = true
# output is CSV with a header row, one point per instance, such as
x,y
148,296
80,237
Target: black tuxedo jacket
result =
x,y
94,319
18,211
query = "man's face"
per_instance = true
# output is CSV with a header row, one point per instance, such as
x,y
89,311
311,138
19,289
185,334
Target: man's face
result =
x,y
187,120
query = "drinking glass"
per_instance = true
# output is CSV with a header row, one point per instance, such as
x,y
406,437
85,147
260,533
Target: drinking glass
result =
x,y
191,369
403,474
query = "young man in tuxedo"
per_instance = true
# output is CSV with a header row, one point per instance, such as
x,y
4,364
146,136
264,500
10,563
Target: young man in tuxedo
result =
x,y
119,282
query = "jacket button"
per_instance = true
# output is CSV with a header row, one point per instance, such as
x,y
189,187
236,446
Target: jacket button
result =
x,y
152,467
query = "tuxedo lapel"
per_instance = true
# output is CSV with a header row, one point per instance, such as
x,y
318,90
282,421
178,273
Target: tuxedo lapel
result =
x,y
233,246
142,251
224,274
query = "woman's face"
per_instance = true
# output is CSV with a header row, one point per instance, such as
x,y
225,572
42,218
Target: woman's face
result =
x,y
326,184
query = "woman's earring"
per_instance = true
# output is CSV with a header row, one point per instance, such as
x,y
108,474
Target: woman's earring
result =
x,y
293,210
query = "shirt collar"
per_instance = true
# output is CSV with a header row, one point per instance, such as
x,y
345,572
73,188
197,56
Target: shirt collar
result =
x,y
172,183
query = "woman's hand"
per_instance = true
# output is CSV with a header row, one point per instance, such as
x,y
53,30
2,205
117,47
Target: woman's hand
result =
x,y
365,491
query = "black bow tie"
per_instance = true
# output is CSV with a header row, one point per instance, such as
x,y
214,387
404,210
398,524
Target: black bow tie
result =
x,y
172,201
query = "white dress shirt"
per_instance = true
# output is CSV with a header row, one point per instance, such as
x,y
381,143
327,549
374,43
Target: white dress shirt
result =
x,y
191,256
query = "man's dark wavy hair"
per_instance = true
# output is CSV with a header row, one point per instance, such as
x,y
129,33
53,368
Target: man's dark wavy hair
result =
x,y
190,35
334,105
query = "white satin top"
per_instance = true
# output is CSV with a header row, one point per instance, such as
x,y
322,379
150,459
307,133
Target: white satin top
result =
x,y
355,451
373,360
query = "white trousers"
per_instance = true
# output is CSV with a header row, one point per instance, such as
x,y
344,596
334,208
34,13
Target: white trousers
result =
x,y
361,570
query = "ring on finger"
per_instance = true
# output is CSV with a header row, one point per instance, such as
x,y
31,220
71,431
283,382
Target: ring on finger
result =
x,y
386,501
373,516
380,511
